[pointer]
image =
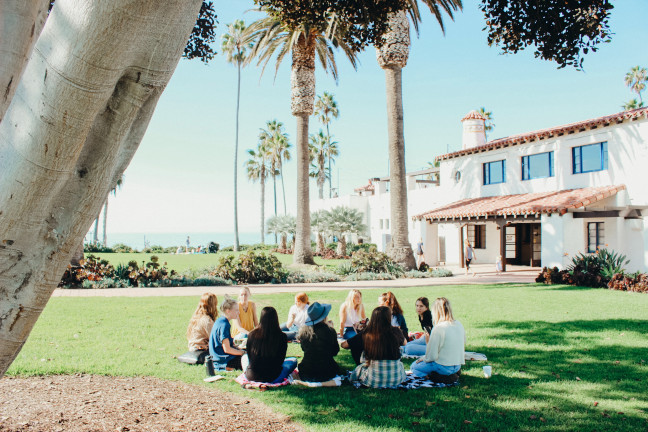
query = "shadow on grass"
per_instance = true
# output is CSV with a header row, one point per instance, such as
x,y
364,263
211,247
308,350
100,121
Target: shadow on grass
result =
x,y
550,379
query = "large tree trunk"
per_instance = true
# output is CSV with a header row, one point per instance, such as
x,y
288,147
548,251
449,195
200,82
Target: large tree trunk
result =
x,y
302,100
238,98
21,22
392,57
342,245
79,113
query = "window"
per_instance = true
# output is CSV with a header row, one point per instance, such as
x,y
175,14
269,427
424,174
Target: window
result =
x,y
589,158
476,235
380,223
494,172
595,236
539,165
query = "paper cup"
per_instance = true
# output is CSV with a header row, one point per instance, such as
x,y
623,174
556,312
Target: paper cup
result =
x,y
488,371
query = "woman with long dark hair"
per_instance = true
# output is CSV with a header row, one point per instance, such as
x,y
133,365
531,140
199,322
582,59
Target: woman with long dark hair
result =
x,y
266,350
380,365
416,347
398,320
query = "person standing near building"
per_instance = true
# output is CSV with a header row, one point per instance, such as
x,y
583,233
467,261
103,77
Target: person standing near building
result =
x,y
469,255
188,244
420,257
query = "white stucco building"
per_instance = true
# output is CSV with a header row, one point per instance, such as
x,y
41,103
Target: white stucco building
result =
x,y
536,198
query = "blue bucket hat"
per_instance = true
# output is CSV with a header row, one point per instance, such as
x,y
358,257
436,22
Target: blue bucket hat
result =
x,y
317,313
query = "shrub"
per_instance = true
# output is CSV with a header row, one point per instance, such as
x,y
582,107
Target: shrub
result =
x,y
415,274
329,254
369,276
440,272
553,276
96,248
91,268
637,282
344,268
374,262
123,248
312,277
367,247
611,263
209,280
250,267
151,274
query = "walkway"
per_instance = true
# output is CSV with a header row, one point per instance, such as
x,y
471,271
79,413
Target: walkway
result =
x,y
485,275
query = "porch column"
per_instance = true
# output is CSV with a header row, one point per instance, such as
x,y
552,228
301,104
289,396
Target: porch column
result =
x,y
462,260
502,228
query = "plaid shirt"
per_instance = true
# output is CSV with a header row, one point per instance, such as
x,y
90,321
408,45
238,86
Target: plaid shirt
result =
x,y
379,373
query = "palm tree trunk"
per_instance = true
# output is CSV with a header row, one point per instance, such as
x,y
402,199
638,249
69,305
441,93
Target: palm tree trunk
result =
x,y
328,140
400,249
302,252
283,189
95,236
105,212
284,241
262,208
302,80
320,243
342,245
321,177
238,97
274,191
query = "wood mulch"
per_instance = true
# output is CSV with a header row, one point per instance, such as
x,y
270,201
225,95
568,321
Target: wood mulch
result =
x,y
100,403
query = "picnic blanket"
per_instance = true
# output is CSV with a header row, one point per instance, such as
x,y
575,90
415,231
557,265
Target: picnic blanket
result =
x,y
246,383
412,382
469,355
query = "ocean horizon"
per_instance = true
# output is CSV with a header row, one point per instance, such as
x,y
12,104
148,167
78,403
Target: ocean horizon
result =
x,y
141,240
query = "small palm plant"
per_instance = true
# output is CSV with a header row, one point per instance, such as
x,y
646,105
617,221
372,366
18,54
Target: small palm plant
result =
x,y
319,223
283,226
343,221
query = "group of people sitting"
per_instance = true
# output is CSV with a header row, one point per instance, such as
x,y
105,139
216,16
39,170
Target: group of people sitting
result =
x,y
236,340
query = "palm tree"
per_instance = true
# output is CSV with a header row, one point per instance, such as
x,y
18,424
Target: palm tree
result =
x,y
304,43
320,147
235,44
632,104
636,79
113,191
325,108
279,149
343,221
319,223
488,124
282,225
257,169
392,57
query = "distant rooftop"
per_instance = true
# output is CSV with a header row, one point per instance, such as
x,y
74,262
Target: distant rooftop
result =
x,y
551,132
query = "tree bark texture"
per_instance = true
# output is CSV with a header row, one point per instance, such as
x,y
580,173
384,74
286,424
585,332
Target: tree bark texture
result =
x,y
399,249
77,116
302,79
320,243
21,22
342,245
392,57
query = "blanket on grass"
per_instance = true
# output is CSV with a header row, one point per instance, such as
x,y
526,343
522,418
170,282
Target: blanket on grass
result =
x,y
412,382
469,355
245,383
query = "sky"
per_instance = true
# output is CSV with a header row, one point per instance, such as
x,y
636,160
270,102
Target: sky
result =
x,y
181,179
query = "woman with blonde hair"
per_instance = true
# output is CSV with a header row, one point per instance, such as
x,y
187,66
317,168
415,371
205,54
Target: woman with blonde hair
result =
x,y
221,345
445,350
201,322
247,318
351,312
398,320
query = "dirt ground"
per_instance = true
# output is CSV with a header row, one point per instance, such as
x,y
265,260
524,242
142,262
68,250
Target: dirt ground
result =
x,y
98,403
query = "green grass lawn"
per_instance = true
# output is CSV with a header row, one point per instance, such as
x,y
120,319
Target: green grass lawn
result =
x,y
184,262
563,358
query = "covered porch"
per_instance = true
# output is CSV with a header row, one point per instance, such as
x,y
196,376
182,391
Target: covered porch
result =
x,y
510,226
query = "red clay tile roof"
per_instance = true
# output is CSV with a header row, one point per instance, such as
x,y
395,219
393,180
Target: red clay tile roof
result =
x,y
551,132
522,204
367,188
473,115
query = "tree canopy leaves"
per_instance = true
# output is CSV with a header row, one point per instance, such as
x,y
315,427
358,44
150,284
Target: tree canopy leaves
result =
x,y
364,20
561,30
